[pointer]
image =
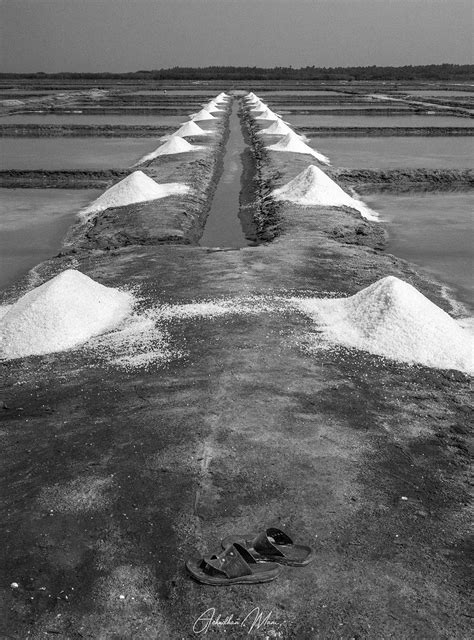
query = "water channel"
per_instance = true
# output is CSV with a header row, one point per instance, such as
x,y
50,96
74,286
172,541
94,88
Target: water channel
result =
x,y
224,227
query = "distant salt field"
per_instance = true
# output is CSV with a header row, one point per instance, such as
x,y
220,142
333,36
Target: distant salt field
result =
x,y
352,120
32,225
72,153
439,93
99,118
395,152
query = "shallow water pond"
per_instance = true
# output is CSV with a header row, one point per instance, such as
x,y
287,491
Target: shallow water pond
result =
x,y
435,231
454,152
73,153
33,223
100,119
354,120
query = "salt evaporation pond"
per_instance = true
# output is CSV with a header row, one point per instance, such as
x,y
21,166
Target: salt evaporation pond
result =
x,y
435,231
440,93
354,120
444,152
99,118
72,153
33,223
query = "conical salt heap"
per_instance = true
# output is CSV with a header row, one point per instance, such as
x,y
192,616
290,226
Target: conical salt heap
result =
x,y
188,129
136,187
174,145
61,314
292,143
391,318
268,114
222,97
257,107
313,187
278,128
212,106
202,115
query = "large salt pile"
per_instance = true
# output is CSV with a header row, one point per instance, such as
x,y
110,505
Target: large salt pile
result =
x,y
268,114
61,314
188,129
137,187
222,97
277,128
292,143
174,145
212,107
202,115
391,318
313,187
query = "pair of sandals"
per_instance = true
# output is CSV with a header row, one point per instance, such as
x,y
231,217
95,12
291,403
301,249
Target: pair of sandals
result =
x,y
248,559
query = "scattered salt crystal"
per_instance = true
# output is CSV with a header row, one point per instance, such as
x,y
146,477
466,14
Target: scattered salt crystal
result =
x,y
292,143
313,187
136,187
391,318
61,314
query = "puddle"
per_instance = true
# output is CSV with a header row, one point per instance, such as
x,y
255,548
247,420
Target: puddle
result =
x,y
224,227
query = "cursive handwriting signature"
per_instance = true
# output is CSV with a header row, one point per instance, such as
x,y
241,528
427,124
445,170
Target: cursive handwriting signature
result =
x,y
255,619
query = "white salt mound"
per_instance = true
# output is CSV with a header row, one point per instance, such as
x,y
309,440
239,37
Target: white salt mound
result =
x,y
189,128
212,106
268,114
391,318
137,187
202,115
313,187
221,97
61,314
292,143
174,145
278,128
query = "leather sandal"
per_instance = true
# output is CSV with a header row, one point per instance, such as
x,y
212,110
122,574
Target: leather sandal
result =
x,y
273,545
235,565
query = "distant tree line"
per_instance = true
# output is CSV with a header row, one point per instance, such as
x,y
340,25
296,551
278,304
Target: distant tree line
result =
x,y
441,72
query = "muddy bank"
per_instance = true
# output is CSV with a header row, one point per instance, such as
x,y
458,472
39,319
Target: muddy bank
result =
x,y
82,131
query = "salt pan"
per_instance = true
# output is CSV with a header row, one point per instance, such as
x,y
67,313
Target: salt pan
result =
x,y
136,187
61,314
393,319
174,145
313,187
292,143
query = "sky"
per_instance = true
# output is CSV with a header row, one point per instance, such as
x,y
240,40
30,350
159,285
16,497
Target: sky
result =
x,y
130,35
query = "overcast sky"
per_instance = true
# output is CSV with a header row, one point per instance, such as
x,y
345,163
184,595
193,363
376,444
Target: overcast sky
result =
x,y
127,35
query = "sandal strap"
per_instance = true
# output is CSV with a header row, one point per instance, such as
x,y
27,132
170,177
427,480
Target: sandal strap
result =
x,y
265,547
231,562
